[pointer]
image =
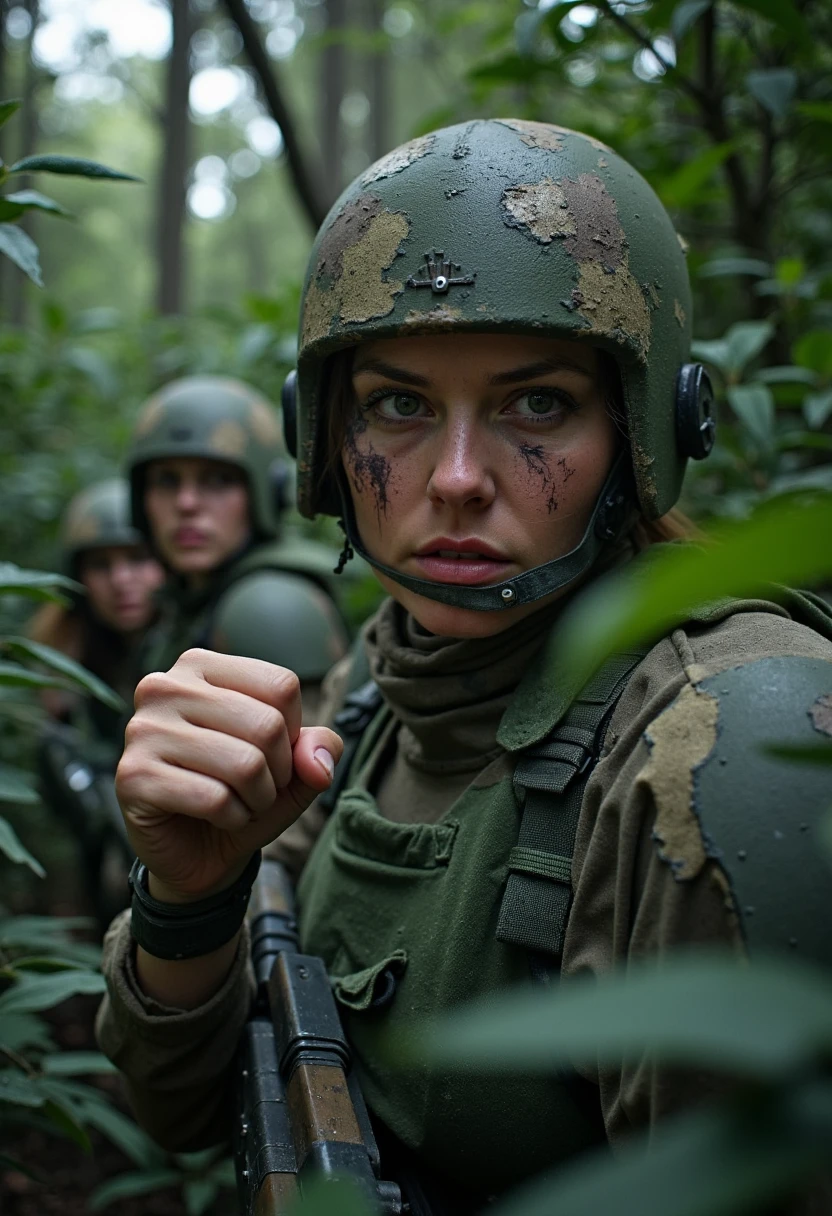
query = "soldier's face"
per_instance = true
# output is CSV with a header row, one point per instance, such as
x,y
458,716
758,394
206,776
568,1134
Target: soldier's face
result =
x,y
198,511
474,457
120,581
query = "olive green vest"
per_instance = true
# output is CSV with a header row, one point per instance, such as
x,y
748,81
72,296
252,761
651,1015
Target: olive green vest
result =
x,y
449,911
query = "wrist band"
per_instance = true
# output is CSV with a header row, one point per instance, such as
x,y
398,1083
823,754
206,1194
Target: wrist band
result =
x,y
179,931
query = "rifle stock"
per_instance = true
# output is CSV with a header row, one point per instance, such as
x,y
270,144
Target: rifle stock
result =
x,y
301,1112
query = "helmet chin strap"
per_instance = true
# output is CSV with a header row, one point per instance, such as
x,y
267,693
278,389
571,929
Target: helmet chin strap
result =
x,y
612,514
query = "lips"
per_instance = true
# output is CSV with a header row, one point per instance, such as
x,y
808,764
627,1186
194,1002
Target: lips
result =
x,y
470,562
189,538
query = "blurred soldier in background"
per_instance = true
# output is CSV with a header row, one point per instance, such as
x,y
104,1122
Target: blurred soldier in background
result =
x,y
209,481
81,743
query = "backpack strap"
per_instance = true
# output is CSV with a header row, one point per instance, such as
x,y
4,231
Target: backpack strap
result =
x,y
550,779
361,704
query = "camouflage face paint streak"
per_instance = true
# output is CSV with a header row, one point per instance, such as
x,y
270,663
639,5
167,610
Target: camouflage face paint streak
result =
x,y
537,463
367,467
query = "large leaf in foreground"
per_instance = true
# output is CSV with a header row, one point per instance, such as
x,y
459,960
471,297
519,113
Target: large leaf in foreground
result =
x,y
25,648
706,1164
69,166
786,541
34,993
12,848
765,1021
35,584
19,248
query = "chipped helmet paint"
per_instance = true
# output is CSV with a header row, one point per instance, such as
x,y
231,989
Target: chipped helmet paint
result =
x,y
220,419
98,516
503,226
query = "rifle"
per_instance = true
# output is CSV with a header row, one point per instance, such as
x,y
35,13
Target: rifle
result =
x,y
301,1112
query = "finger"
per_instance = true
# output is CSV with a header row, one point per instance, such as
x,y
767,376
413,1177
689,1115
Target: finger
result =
x,y
276,686
238,764
151,794
224,710
314,755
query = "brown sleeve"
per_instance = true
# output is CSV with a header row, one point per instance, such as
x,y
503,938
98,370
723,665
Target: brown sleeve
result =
x,y
643,880
176,1063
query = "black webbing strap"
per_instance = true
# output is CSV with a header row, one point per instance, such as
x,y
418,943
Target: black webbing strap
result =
x,y
359,708
550,778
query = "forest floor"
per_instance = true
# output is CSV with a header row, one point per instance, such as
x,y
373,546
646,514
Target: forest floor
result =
x,y
67,1176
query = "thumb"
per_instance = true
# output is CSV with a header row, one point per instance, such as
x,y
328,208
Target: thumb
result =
x,y
315,753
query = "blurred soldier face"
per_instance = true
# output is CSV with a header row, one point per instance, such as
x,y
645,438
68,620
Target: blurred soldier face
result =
x,y
120,581
198,512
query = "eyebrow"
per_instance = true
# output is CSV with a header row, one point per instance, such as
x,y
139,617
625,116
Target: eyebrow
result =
x,y
392,373
517,375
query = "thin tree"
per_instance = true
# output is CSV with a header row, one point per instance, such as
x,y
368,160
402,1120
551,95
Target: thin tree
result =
x,y
333,82
170,217
378,76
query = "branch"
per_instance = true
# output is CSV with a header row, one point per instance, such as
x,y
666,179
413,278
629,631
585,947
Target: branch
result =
x,y
685,83
305,181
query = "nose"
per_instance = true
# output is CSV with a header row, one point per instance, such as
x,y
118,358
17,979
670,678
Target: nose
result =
x,y
461,475
121,573
187,495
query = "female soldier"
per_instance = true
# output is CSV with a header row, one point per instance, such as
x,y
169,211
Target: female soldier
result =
x,y
208,477
103,630
496,424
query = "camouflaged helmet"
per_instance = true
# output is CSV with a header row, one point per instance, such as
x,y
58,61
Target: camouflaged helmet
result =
x,y
509,226
98,516
219,419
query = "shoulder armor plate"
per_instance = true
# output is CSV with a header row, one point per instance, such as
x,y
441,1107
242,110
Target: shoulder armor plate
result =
x,y
760,814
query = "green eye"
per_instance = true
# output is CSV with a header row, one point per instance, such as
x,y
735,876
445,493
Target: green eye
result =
x,y
539,403
405,406
398,405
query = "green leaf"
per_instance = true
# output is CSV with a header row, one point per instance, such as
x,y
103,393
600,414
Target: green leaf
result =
x,y
710,1163
790,271
7,108
686,15
15,786
783,14
767,1021
15,676
124,1133
64,1119
35,584
199,1194
43,964
69,166
24,647
754,406
773,88
785,541
29,200
817,407
819,111
19,248
814,350
18,1089
36,992
77,1064
684,186
19,1030
786,375
10,845
723,267
742,343
9,210
811,753
126,1186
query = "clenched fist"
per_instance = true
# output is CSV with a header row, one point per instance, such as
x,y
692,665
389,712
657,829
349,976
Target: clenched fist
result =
x,y
216,764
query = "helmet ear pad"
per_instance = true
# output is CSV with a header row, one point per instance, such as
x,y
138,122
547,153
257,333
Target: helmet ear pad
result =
x,y
695,421
289,406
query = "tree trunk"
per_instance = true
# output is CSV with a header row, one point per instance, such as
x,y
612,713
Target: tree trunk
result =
x,y
28,131
333,87
378,76
170,218
304,179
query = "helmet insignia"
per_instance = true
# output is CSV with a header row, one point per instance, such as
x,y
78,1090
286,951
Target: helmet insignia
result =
x,y
439,273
